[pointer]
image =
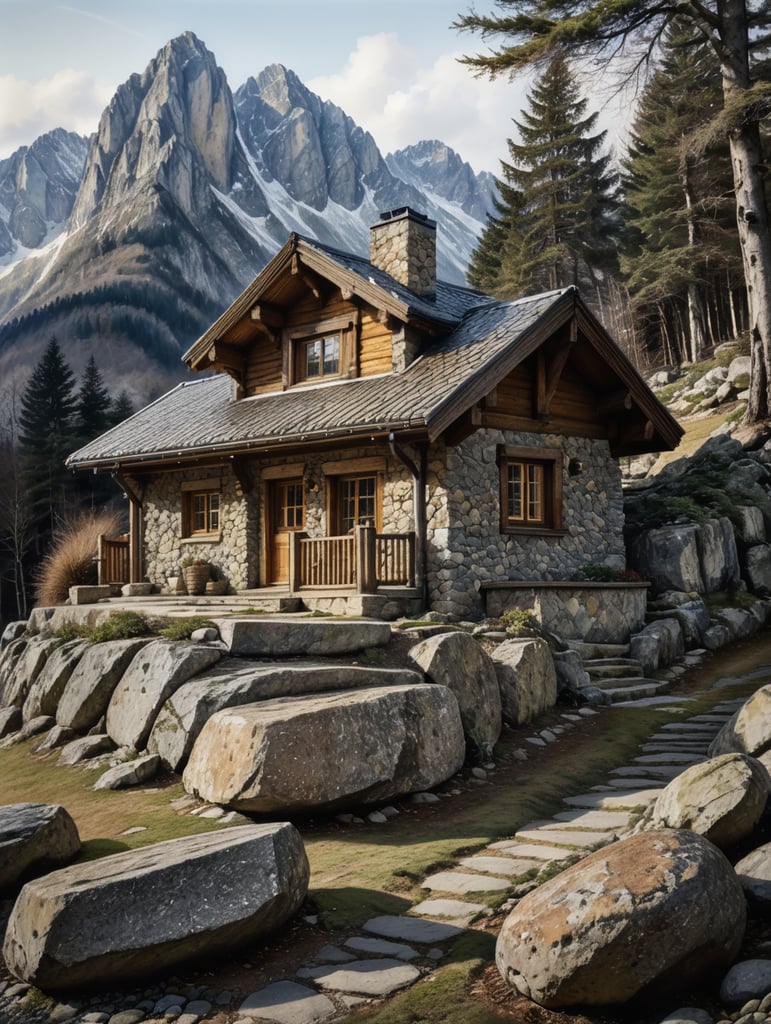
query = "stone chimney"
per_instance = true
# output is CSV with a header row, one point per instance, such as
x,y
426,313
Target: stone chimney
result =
x,y
403,244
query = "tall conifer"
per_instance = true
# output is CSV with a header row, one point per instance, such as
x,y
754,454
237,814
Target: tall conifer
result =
x,y
558,190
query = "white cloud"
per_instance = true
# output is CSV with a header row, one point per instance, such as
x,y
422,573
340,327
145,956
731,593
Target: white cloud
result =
x,y
69,99
384,90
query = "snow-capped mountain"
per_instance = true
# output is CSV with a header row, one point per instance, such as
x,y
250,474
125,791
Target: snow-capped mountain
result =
x,y
130,245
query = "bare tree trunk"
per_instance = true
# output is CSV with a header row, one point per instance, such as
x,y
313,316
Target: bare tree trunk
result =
x,y
695,305
751,210
732,305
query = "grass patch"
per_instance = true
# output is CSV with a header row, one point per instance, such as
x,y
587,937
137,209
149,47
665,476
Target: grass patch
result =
x,y
444,998
183,629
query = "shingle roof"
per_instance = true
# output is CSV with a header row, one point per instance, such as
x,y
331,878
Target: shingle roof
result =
x,y
200,416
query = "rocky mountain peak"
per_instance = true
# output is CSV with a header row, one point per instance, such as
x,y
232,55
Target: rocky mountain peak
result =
x,y
164,127
38,184
435,165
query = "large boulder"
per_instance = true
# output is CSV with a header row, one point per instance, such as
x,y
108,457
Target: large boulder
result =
x,y
91,685
526,677
276,638
722,799
22,670
145,910
754,873
328,751
231,683
153,675
659,644
748,731
48,686
656,912
457,661
718,555
757,560
34,838
669,556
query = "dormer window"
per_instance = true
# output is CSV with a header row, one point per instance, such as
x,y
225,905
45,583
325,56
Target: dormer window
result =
x,y
320,357
320,351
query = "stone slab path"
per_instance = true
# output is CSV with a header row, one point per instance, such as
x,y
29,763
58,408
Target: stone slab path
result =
x,y
590,819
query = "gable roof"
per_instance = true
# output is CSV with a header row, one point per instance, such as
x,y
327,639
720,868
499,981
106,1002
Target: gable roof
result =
x,y
350,273
490,339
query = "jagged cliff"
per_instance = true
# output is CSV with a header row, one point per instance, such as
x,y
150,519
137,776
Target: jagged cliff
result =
x,y
129,246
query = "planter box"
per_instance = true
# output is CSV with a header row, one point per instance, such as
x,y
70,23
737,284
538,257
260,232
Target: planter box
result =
x,y
196,577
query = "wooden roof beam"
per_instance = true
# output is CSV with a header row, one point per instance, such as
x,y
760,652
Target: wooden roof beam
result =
x,y
311,280
226,356
615,401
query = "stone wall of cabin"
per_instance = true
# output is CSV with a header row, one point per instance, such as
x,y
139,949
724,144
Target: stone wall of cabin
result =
x,y
165,548
464,489
238,553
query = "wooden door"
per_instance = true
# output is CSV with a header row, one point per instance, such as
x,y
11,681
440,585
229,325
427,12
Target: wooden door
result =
x,y
287,515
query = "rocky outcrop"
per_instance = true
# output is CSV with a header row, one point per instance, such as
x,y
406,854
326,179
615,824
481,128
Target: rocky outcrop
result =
x,y
722,800
153,675
457,661
90,687
328,751
592,936
47,687
526,677
276,638
22,663
34,838
112,919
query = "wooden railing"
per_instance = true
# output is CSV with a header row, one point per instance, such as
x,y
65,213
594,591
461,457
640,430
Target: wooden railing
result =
x,y
362,561
113,560
395,559
326,562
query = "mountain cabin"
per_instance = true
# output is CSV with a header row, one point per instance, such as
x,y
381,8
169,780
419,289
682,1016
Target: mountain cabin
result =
x,y
364,438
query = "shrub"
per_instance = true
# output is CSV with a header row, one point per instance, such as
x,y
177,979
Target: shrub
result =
x,y
71,561
119,626
182,629
520,622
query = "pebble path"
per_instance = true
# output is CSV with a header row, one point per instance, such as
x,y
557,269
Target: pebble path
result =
x,y
390,953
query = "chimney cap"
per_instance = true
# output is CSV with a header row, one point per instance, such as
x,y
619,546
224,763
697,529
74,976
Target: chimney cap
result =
x,y
406,212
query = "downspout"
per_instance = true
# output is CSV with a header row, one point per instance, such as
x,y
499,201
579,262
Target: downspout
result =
x,y
135,526
419,508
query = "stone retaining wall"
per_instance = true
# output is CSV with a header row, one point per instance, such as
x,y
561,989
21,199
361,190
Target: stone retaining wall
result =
x,y
592,612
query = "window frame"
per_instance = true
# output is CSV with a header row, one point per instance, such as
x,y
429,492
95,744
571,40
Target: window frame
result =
x,y
549,465
208,490
335,485
299,339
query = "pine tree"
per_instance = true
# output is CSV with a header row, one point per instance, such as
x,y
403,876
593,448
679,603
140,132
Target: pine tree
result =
x,y
121,408
46,435
530,32
680,243
93,411
558,216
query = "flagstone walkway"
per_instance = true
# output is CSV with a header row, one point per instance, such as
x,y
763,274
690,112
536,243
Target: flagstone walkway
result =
x,y
393,952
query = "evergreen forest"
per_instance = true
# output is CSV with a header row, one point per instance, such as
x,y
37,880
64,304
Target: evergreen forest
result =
x,y
40,425
650,239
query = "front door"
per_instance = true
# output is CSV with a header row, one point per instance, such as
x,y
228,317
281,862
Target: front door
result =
x,y
286,503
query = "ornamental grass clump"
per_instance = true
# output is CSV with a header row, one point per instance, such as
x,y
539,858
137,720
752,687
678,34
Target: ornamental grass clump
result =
x,y
71,562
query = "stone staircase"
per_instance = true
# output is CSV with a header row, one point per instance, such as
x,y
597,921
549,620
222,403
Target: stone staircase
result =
x,y
611,669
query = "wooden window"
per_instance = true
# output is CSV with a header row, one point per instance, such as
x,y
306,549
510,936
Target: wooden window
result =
x,y
319,351
319,357
357,501
201,513
531,490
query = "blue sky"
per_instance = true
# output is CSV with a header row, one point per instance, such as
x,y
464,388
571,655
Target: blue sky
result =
x,y
390,64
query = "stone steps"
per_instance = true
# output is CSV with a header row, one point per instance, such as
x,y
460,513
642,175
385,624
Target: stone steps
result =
x,y
612,668
594,651
626,689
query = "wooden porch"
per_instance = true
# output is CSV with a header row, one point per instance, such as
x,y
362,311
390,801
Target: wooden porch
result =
x,y
363,562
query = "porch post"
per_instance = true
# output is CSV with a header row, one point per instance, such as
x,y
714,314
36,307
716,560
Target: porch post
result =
x,y
295,560
135,540
364,546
